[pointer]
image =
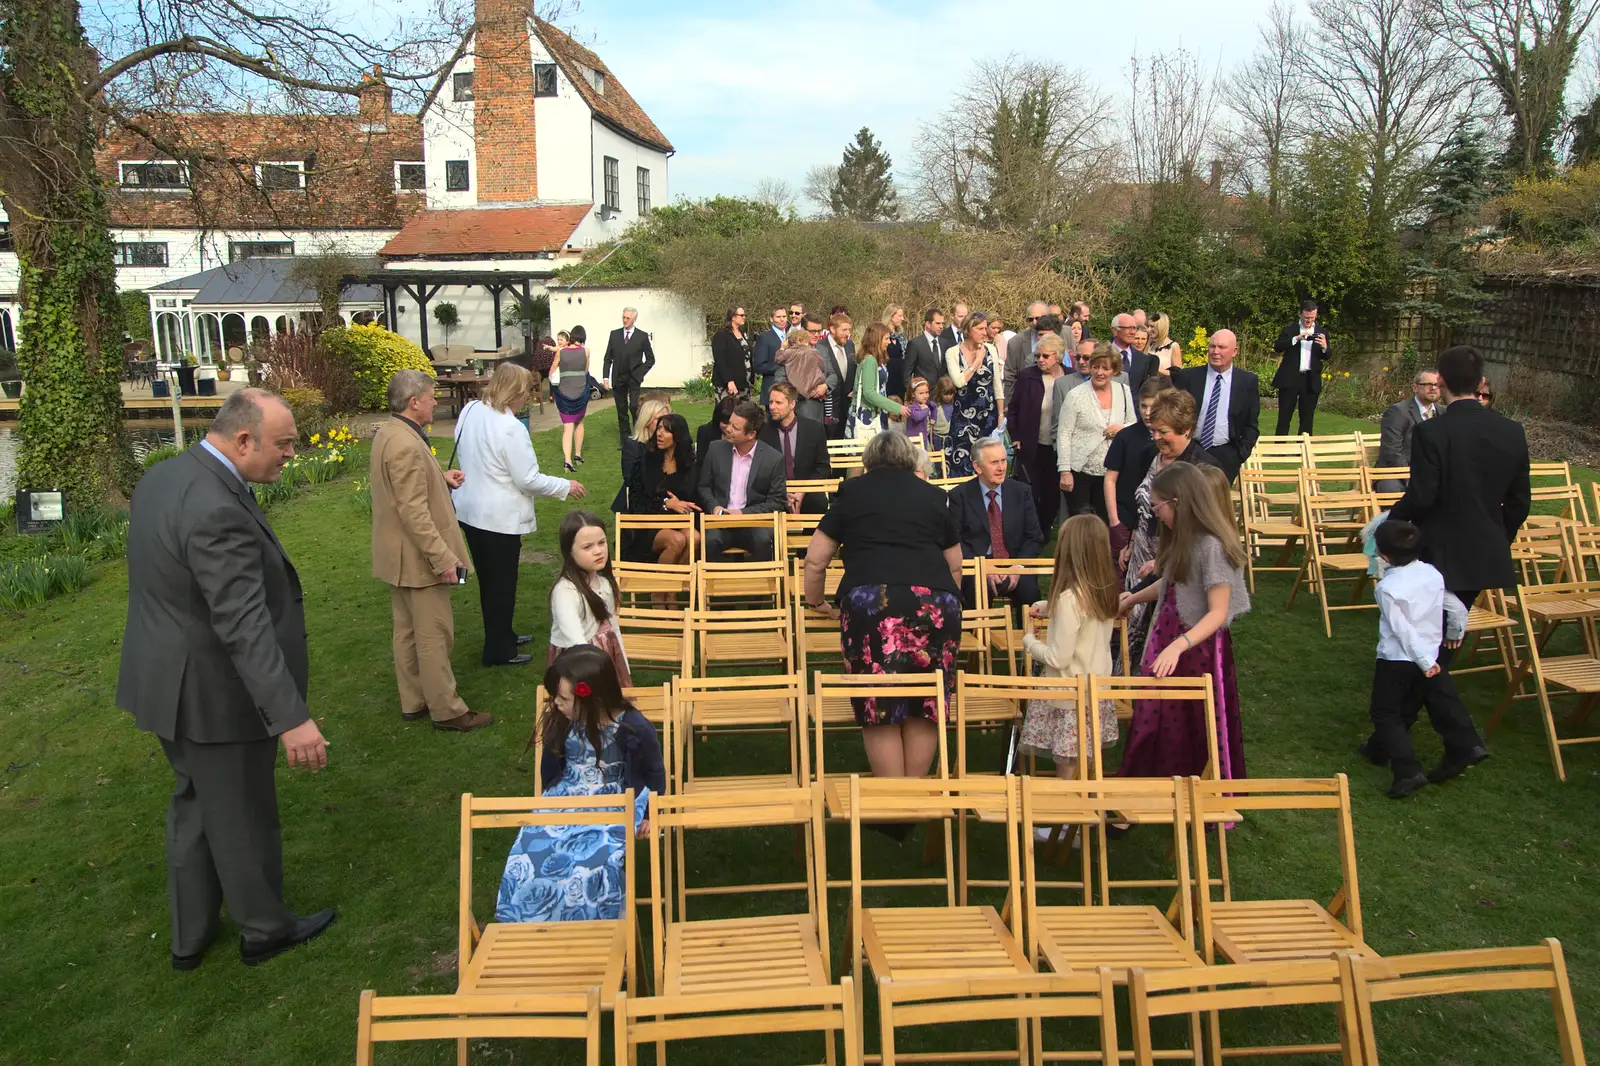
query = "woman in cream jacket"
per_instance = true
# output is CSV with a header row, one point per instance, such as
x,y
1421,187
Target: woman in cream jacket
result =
x,y
1091,415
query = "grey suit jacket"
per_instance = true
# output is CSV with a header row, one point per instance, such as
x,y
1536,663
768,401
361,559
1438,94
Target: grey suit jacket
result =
x,y
1394,441
766,490
215,645
1019,354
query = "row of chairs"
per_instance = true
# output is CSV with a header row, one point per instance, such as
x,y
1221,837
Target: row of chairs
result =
x,y
1208,952
845,457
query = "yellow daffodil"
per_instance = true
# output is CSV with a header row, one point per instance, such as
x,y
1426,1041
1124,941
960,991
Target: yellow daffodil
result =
x,y
315,437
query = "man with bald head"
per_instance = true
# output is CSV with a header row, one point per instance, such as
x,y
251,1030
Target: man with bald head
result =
x,y
1023,347
214,664
1227,403
1136,365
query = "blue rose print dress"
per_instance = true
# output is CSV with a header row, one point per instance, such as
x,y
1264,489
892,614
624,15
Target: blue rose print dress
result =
x,y
572,873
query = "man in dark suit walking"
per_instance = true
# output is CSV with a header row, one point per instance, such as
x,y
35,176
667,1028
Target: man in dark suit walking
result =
x,y
955,326
1227,401
214,663
629,358
1401,420
803,445
1303,348
991,503
741,475
1020,350
925,353
764,356
1136,365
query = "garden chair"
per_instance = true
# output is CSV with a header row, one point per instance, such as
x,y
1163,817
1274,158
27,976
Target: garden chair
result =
x,y
1041,570
546,1016
683,523
984,631
656,586
1335,520
1334,461
1545,608
1279,453
741,638
845,455
658,639
771,521
746,585
707,708
797,530
1272,519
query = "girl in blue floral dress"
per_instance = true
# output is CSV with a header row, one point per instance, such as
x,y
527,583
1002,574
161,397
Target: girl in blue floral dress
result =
x,y
595,744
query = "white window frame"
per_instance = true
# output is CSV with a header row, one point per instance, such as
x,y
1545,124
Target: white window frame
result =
x,y
297,165
166,254
240,259
122,184
472,86
398,163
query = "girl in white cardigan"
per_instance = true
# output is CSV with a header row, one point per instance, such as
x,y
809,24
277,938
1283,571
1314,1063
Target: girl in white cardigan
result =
x,y
583,601
1082,609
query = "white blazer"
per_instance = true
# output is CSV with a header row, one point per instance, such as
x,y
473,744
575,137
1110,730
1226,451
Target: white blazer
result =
x,y
495,453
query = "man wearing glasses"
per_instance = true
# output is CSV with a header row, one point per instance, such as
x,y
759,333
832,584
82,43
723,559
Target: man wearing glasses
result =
x,y
1399,420
1020,352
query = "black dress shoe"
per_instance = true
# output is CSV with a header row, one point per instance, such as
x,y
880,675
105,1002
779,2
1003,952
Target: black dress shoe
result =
x,y
186,963
521,640
308,928
1369,753
1451,765
515,660
414,716
1405,786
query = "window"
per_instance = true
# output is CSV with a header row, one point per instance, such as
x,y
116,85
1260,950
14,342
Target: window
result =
x,y
238,250
142,253
281,175
155,176
455,176
410,177
544,79
597,80
644,190
461,86
613,184
6,243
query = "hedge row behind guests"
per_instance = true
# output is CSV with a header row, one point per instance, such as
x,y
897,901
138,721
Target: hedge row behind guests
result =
x,y
1035,402
1200,592
584,597
417,549
741,475
1092,414
1228,402
494,504
897,604
664,481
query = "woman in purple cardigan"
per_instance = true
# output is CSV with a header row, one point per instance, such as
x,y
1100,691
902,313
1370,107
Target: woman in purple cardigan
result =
x,y
1030,419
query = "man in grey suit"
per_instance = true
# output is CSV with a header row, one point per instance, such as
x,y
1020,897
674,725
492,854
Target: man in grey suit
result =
x,y
1394,441
741,475
1019,353
214,663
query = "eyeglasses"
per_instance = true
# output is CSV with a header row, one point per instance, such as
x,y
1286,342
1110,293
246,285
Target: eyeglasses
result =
x,y
797,310
1485,395
1030,318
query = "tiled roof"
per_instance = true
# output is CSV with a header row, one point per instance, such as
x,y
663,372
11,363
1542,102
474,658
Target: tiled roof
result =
x,y
487,231
615,106
261,281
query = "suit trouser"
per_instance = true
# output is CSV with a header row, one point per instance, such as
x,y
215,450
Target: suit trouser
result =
x,y
626,397
495,557
424,637
758,542
1399,690
1045,481
223,841
1289,400
1088,494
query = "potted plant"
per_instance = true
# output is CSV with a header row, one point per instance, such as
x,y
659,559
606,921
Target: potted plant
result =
x,y
448,317
10,378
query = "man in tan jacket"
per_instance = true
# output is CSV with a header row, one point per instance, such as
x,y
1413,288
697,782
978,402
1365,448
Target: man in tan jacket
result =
x,y
418,551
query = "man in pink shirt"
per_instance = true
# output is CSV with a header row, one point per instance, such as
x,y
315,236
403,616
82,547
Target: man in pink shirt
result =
x,y
742,475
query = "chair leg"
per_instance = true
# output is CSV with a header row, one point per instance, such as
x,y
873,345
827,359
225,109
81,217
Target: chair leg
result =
x,y
886,1021
461,1051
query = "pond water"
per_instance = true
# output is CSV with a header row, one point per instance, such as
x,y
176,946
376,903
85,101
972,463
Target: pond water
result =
x,y
145,434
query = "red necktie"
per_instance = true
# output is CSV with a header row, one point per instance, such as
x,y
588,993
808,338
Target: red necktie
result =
x,y
788,452
997,529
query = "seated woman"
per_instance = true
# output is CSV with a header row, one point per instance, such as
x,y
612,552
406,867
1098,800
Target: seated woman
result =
x,y
595,744
711,432
664,483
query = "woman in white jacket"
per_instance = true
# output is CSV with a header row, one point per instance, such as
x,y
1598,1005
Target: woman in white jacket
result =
x,y
1092,414
494,505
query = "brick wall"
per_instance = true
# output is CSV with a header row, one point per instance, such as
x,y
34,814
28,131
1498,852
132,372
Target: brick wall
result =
x,y
503,128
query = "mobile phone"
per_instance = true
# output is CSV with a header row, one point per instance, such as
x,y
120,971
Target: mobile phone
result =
x,y
461,575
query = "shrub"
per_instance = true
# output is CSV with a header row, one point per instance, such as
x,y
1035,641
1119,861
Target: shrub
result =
x,y
298,360
156,455
29,582
1555,211
700,389
309,407
375,354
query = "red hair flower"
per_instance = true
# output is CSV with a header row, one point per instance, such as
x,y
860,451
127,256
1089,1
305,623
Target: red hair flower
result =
x,y
583,690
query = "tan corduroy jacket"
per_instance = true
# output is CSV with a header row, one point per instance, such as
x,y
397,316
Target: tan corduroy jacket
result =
x,y
414,533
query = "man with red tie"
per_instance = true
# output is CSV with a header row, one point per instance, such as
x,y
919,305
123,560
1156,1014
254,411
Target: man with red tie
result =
x,y
996,518
803,443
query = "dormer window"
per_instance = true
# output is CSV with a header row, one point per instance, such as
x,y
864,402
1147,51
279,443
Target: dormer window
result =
x,y
158,175
597,80
281,175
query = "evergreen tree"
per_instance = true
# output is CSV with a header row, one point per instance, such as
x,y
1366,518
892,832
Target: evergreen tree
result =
x,y
862,188
1445,281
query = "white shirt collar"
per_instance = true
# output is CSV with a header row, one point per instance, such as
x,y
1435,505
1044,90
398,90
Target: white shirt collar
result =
x,y
223,459
1422,408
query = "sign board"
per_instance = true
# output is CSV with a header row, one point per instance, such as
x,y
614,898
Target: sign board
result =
x,y
40,512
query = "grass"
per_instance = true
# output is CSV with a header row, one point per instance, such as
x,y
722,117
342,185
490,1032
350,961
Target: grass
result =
x,y
1506,855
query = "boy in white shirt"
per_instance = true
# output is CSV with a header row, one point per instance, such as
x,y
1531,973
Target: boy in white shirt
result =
x,y
1416,614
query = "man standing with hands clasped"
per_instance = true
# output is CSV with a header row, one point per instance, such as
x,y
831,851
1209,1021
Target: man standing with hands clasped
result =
x,y
214,663
1303,346
628,359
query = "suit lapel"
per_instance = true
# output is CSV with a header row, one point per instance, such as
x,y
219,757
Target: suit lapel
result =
x,y
246,497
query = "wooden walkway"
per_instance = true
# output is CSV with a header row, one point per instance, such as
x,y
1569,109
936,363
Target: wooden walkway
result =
x,y
141,407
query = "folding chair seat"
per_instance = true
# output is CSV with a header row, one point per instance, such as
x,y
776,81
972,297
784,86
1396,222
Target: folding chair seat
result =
x,y
742,638
548,1016
659,639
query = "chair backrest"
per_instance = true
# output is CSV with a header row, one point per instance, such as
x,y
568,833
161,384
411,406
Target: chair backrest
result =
x,y
831,706
948,483
1043,569
990,628
657,638
640,583
1121,689
797,530
1548,473
1541,967
765,702
1329,514
1271,494
825,485
987,700
1543,550
713,625
652,701
683,523
391,1019
515,812
1372,475
1209,798
1562,502
816,633
1272,451
758,585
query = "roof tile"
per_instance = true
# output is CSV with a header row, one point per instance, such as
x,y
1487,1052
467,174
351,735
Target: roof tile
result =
x,y
615,106
487,231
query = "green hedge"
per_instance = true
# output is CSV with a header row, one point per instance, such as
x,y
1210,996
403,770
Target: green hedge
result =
x,y
377,354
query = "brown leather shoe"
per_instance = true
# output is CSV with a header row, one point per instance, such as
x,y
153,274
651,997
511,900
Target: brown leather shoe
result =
x,y
466,723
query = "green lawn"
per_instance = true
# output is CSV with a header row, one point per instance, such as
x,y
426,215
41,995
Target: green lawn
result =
x,y
1505,855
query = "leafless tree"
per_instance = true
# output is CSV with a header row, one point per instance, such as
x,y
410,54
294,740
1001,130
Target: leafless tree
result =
x,y
777,193
1390,82
818,188
1524,50
1269,94
1171,113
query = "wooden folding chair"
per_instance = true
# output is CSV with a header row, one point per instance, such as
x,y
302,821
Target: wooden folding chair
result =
x,y
1272,521
1558,505
1279,453
936,965
1545,608
1275,930
755,586
984,631
1042,571
709,708
742,639
1214,989
656,586
1541,551
658,639
797,530
1583,552
542,958
825,486
1334,462
844,455
655,523
1542,967
1119,936
1490,617
1371,476
1545,474
547,1016
742,976
770,521
1335,521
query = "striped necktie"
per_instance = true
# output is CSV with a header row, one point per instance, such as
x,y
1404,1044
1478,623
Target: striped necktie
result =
x,y
1208,426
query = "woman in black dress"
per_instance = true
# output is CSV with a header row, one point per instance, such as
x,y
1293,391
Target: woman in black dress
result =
x,y
730,356
663,483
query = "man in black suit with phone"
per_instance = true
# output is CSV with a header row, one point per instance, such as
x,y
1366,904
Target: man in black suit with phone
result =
x,y
629,358
214,663
1227,403
991,502
1303,348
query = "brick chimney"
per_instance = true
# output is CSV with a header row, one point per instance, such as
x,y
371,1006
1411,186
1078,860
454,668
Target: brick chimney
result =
x,y
502,90
375,97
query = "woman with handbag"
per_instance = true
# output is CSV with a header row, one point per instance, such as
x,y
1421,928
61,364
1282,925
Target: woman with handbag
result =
x,y
870,408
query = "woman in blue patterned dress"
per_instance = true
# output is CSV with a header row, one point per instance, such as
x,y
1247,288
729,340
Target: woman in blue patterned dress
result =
x,y
595,744
973,367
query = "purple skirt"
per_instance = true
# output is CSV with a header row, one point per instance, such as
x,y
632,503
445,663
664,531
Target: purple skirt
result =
x,y
1167,738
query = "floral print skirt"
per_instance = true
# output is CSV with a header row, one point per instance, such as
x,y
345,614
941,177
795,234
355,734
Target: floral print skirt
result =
x,y
1050,729
899,629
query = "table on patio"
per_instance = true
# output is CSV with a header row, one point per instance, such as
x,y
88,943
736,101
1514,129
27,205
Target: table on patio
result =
x,y
463,387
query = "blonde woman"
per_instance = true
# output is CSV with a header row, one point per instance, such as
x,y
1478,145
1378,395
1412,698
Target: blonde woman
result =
x,y
636,446
1092,414
894,318
494,504
1169,356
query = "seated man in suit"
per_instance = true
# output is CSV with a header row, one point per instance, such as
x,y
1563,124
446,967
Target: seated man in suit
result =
x,y
1228,399
990,503
741,475
1394,448
803,445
